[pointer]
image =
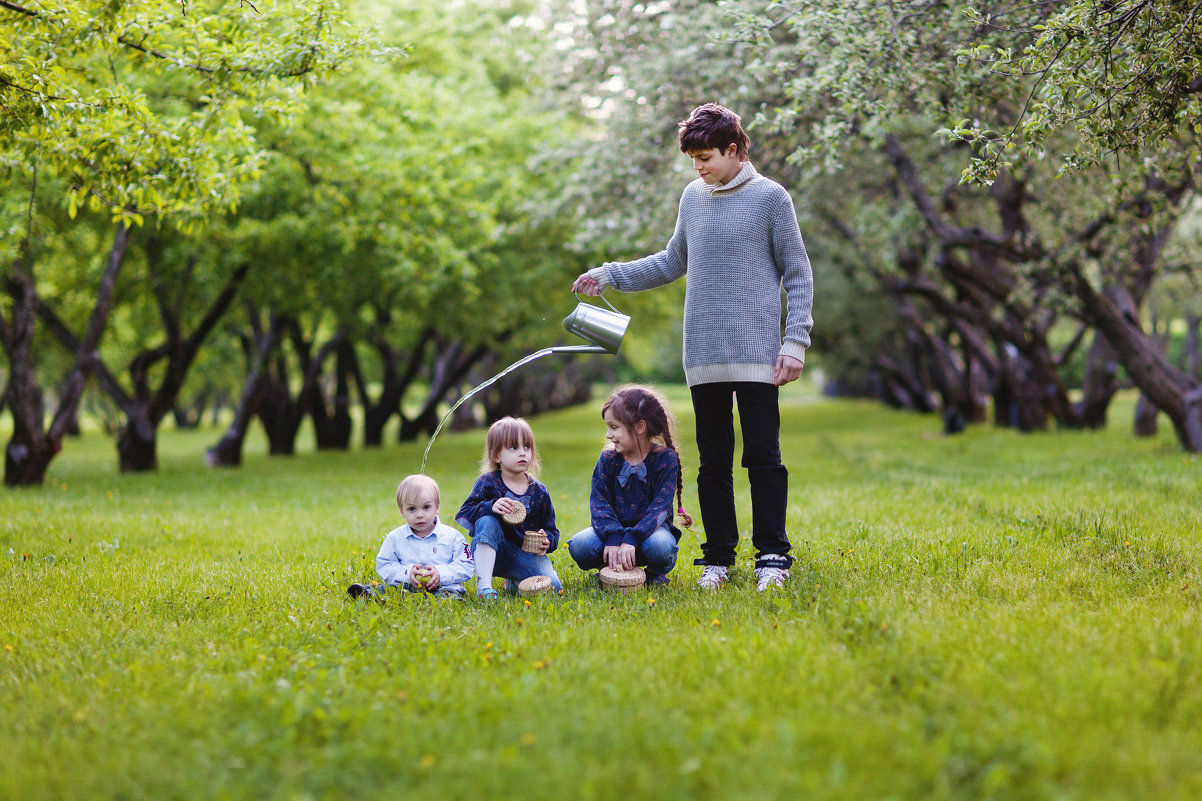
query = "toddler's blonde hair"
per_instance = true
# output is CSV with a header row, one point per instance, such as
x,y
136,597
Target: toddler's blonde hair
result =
x,y
414,488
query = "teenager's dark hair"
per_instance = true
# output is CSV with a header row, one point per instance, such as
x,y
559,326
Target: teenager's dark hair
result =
x,y
710,126
634,404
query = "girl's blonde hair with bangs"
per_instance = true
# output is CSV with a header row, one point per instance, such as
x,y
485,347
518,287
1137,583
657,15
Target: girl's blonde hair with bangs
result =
x,y
505,433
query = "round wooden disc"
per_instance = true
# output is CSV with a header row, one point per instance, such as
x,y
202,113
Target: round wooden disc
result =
x,y
515,516
534,585
622,579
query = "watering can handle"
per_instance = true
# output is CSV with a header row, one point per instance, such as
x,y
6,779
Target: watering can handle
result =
x,y
602,296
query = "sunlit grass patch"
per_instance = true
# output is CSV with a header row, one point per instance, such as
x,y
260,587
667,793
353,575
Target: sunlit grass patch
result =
x,y
988,616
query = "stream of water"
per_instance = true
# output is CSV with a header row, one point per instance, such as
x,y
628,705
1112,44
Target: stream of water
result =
x,y
525,360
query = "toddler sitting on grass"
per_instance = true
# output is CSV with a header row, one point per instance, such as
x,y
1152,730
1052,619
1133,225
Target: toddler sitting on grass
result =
x,y
424,554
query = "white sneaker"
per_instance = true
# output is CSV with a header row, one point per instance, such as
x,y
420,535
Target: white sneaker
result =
x,y
713,577
766,577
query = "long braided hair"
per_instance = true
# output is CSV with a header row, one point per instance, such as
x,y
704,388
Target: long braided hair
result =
x,y
635,403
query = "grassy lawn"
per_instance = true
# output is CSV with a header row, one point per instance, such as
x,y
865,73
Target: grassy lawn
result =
x,y
987,616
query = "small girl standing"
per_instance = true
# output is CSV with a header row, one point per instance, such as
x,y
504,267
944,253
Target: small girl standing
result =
x,y
507,481
633,486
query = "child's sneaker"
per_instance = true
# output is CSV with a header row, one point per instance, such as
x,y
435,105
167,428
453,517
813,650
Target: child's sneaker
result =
x,y
508,586
486,594
656,580
769,577
358,591
713,577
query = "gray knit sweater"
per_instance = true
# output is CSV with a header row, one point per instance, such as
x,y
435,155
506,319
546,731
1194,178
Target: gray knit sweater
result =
x,y
738,243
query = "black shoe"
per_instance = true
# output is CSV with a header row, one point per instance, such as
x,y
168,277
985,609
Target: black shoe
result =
x,y
357,591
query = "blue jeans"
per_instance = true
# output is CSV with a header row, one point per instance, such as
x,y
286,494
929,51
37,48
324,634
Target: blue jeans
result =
x,y
657,553
512,562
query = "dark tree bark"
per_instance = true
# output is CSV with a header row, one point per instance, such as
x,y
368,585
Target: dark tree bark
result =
x,y
1179,396
32,445
258,347
394,382
1190,357
1147,418
1099,384
332,420
145,406
451,365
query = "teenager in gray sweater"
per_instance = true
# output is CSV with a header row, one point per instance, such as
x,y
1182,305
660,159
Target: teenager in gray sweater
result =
x,y
738,242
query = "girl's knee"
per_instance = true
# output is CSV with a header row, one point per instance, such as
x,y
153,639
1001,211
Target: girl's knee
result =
x,y
659,549
585,548
487,531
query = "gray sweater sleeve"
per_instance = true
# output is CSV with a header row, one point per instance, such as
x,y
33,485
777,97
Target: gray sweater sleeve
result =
x,y
796,276
648,272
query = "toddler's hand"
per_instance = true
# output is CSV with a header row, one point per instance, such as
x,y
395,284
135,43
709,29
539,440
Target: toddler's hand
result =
x,y
417,575
503,505
545,545
434,578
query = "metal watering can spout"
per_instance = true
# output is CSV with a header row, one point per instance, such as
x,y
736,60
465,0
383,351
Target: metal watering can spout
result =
x,y
605,328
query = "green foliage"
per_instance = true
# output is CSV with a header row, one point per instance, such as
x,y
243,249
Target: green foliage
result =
x,y
1074,80
1124,77
143,108
987,616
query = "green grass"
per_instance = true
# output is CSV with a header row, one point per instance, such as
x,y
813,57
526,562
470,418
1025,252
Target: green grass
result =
x,y
988,616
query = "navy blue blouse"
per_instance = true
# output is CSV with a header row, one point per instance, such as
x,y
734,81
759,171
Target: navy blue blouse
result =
x,y
628,502
540,512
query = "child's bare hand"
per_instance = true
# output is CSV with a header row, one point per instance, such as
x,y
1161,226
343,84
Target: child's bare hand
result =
x,y
545,545
619,557
787,369
586,284
434,578
503,505
417,576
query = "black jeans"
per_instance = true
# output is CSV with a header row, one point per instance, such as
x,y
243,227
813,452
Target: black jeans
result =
x,y
759,418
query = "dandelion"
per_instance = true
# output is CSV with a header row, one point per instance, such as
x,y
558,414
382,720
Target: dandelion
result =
x,y
528,739
715,622
650,602
428,761
539,664
527,603
8,646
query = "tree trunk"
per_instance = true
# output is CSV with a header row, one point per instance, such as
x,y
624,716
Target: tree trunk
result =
x,y
1147,418
228,450
31,447
137,443
451,366
1099,384
1178,395
1191,346
332,422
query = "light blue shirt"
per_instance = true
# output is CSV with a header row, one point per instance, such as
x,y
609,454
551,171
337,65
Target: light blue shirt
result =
x,y
444,548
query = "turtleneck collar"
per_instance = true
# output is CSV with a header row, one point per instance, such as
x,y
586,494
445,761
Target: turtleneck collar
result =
x,y
744,175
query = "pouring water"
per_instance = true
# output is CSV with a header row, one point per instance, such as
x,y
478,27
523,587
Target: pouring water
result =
x,y
605,329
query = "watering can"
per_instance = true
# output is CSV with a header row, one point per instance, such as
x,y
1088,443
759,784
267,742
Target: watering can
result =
x,y
605,328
